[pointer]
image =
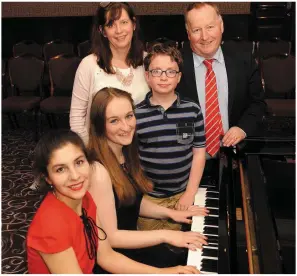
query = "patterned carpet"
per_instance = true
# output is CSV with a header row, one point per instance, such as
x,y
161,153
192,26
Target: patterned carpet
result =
x,y
19,202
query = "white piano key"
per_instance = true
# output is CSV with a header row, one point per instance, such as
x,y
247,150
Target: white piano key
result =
x,y
195,257
210,247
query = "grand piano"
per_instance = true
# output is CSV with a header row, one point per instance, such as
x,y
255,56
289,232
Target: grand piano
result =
x,y
251,226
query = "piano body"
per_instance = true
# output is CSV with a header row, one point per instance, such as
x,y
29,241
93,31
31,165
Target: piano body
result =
x,y
251,227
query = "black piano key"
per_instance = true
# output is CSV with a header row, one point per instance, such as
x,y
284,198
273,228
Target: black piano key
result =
x,y
212,239
211,221
208,268
210,252
212,189
213,212
210,230
209,265
211,203
212,195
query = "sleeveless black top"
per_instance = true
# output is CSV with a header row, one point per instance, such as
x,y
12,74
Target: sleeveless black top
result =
x,y
127,215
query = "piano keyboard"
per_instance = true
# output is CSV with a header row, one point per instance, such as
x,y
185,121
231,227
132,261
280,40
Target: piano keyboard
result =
x,y
206,259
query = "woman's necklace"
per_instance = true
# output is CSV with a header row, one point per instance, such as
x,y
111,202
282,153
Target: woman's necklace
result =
x,y
126,81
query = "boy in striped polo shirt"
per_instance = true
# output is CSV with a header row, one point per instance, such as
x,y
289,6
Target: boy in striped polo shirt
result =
x,y
171,137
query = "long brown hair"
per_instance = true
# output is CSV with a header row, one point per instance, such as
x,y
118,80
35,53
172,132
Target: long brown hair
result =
x,y
125,190
100,44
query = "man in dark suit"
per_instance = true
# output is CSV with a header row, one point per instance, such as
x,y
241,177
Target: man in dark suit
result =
x,y
239,89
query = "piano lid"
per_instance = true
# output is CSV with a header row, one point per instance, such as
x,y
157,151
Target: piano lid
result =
x,y
267,146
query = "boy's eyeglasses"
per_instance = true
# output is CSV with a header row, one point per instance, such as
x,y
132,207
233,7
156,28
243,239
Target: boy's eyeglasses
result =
x,y
158,73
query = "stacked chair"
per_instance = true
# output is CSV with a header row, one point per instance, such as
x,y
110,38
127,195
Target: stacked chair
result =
x,y
238,44
62,69
4,82
274,46
278,78
25,75
55,48
28,47
40,80
84,48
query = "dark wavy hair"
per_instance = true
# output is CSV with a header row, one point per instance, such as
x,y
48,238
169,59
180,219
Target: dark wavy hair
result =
x,y
48,143
100,44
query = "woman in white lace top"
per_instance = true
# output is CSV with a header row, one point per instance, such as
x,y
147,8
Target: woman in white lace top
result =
x,y
116,61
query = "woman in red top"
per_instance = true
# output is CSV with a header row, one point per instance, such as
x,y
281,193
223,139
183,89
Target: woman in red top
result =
x,y
63,236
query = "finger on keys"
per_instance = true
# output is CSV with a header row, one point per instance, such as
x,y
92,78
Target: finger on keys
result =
x,y
197,244
198,211
200,242
201,236
189,269
192,246
192,269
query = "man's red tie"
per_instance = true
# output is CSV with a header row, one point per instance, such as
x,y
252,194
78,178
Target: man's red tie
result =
x,y
213,120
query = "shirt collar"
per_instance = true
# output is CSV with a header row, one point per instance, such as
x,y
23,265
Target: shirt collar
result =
x,y
150,94
218,56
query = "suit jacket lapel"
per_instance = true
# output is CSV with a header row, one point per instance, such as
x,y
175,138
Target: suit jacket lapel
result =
x,y
189,71
231,76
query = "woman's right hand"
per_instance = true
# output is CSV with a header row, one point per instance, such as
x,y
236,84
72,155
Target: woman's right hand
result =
x,y
190,240
179,270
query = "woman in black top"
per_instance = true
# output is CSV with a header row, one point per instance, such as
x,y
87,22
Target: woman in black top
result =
x,y
118,183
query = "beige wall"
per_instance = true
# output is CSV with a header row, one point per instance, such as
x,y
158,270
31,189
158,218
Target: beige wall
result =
x,y
48,9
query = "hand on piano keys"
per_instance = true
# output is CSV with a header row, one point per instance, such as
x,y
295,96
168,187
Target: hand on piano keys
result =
x,y
206,259
183,216
190,240
179,270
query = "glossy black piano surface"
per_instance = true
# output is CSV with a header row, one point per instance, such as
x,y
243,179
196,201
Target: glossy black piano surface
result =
x,y
269,165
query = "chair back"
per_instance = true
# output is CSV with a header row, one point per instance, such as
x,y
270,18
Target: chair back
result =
x,y
57,47
27,47
3,68
238,46
62,71
278,73
84,48
25,74
4,83
273,47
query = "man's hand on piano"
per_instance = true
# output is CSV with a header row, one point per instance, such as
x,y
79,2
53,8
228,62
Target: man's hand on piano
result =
x,y
189,269
190,240
185,201
183,216
233,136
